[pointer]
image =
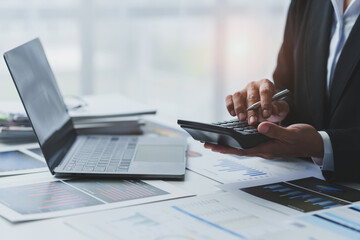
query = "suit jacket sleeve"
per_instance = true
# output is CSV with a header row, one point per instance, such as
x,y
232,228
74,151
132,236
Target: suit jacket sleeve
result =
x,y
346,144
284,70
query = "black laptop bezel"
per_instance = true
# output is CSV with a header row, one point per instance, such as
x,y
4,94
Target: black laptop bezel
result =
x,y
58,144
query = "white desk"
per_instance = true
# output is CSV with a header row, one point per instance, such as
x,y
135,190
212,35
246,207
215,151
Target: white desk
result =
x,y
56,229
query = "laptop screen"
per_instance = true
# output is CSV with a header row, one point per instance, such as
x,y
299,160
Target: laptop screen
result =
x,y
42,99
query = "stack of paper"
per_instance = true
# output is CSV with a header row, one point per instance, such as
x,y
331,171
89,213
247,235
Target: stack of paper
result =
x,y
15,126
16,133
107,114
110,105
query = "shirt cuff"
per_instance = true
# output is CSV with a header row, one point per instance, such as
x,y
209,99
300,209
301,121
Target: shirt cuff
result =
x,y
327,162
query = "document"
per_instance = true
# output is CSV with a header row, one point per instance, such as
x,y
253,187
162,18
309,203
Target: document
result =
x,y
109,105
46,199
299,196
152,127
338,223
308,228
89,107
343,221
216,216
21,160
250,170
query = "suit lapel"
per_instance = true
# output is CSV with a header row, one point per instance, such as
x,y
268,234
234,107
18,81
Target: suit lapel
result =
x,y
346,64
317,51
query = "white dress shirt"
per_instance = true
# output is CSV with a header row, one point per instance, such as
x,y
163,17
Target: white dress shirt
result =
x,y
343,23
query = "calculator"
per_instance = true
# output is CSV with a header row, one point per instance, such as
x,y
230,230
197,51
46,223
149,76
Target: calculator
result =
x,y
233,133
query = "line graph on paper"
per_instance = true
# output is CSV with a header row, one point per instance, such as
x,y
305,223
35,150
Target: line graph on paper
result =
x,y
231,169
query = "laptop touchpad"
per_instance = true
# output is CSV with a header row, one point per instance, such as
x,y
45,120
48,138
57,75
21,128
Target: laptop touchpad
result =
x,y
154,153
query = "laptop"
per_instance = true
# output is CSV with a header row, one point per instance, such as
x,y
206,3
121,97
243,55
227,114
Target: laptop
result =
x,y
69,154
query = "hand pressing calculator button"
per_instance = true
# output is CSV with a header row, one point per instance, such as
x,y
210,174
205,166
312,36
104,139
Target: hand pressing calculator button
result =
x,y
231,133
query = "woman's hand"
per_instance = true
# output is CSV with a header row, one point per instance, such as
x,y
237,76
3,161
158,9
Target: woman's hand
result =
x,y
263,91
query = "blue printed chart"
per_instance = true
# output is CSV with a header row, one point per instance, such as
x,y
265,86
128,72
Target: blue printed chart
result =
x,y
343,221
18,162
59,198
226,165
209,217
299,196
230,169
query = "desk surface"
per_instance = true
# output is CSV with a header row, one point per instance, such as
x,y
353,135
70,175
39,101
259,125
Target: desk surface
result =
x,y
56,229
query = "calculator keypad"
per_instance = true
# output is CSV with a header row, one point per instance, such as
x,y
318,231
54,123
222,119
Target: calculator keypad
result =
x,y
241,127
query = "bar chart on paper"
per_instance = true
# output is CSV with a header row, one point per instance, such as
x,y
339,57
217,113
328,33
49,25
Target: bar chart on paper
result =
x,y
226,165
56,196
230,169
117,191
44,197
227,170
291,193
295,197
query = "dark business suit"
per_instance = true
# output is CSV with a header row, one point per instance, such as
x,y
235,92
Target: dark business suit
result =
x,y
302,68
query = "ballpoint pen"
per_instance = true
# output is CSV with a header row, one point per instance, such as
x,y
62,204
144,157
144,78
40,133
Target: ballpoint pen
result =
x,y
276,96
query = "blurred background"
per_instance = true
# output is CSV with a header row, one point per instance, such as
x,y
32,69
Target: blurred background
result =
x,y
181,56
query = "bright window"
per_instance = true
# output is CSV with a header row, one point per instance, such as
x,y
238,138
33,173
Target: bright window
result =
x,y
181,56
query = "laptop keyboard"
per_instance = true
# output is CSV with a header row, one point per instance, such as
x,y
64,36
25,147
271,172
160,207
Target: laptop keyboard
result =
x,y
99,154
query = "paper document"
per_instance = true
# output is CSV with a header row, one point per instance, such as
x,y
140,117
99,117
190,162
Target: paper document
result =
x,y
344,221
159,129
216,216
109,105
250,170
86,110
21,160
308,228
63,197
299,196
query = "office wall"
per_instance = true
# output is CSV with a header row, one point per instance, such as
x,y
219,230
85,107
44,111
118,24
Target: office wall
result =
x,y
181,56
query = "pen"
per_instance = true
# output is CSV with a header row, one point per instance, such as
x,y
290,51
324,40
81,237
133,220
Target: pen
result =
x,y
276,96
